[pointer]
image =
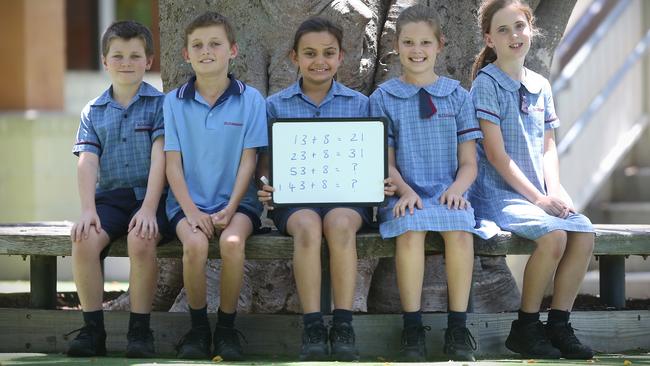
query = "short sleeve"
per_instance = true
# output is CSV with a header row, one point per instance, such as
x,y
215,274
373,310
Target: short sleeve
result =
x,y
484,98
550,118
467,127
256,134
171,133
159,121
87,139
376,108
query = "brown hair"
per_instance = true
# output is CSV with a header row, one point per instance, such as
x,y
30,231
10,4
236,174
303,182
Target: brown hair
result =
x,y
485,14
420,13
208,19
318,24
127,29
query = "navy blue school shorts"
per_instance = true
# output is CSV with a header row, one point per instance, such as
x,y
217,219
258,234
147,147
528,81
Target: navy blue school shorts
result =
x,y
255,219
280,215
116,208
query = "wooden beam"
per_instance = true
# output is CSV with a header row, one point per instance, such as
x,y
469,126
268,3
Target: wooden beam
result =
x,y
53,239
378,335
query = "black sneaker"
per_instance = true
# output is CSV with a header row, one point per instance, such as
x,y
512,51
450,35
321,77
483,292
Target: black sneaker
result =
x,y
195,344
459,344
413,344
314,343
140,343
342,342
90,342
529,340
226,343
562,337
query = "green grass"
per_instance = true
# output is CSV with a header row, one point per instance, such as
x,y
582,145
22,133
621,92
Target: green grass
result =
x,y
23,359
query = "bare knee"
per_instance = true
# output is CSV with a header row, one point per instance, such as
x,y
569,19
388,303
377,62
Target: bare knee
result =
x,y
553,244
341,226
195,250
141,249
88,249
411,240
584,242
459,239
306,229
232,247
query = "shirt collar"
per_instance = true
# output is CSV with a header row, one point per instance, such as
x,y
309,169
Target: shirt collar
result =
x,y
532,81
144,90
335,90
440,88
188,90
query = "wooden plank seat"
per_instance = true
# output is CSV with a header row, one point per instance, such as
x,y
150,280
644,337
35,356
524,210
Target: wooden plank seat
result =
x,y
44,241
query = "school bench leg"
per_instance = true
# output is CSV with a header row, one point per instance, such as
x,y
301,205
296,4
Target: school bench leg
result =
x,y
612,280
42,279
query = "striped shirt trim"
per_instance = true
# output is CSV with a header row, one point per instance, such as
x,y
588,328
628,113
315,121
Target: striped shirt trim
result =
x,y
467,131
89,143
488,112
551,120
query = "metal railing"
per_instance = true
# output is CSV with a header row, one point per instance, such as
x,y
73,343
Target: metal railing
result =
x,y
586,117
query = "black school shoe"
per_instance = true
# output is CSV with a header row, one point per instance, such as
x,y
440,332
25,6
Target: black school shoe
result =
x,y
90,342
140,342
414,344
314,343
342,342
562,337
195,344
530,341
226,343
459,344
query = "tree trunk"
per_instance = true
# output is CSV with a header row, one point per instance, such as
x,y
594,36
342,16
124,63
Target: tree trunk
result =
x,y
265,31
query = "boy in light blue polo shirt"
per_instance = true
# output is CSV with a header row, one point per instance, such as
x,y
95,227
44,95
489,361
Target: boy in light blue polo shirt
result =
x,y
213,127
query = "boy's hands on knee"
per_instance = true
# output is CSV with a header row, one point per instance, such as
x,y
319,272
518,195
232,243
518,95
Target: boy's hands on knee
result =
x,y
81,229
389,187
145,223
453,200
409,201
265,195
201,221
222,218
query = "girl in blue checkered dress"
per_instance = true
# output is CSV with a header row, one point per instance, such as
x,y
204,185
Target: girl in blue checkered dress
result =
x,y
519,185
432,159
317,54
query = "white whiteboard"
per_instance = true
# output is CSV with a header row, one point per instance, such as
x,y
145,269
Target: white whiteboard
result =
x,y
328,162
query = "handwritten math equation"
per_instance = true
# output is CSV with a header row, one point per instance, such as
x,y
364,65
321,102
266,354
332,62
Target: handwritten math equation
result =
x,y
332,164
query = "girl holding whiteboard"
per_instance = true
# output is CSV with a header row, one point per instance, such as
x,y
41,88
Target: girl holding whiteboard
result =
x,y
317,53
432,137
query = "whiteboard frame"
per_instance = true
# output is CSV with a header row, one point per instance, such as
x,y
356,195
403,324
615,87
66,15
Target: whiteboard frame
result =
x,y
334,122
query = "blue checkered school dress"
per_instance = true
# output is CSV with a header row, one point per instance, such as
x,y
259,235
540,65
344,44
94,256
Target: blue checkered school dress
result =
x,y
523,110
426,150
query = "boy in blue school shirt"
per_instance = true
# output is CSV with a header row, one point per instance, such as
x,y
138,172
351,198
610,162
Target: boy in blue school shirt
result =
x,y
213,127
121,180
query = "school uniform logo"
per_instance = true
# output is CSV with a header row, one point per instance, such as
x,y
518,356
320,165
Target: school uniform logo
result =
x,y
236,124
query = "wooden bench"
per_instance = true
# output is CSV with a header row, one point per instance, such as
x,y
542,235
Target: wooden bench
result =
x,y
45,241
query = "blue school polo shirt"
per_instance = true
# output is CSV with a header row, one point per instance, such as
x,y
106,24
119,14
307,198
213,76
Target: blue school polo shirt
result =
x,y
122,137
211,140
